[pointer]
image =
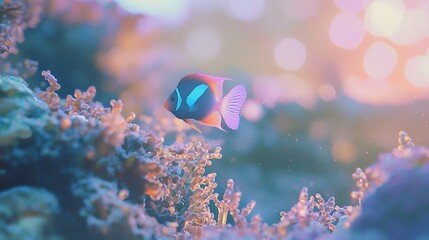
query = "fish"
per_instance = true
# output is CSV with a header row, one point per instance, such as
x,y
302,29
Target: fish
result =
x,y
200,97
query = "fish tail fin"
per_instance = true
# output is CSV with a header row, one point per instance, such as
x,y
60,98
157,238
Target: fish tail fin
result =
x,y
231,105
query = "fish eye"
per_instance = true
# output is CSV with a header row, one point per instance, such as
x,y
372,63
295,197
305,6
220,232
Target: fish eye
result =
x,y
172,99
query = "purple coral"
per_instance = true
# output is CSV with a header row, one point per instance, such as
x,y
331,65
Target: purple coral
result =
x,y
399,207
396,203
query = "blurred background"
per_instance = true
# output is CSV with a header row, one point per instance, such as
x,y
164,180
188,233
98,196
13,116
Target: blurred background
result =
x,y
330,83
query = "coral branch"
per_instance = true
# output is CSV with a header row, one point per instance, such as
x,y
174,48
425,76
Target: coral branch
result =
x,y
15,17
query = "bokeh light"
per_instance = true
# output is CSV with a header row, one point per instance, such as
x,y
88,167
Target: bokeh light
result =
x,y
245,10
252,110
204,43
343,151
417,71
318,129
413,27
300,9
379,60
293,88
350,6
290,54
347,30
383,17
266,89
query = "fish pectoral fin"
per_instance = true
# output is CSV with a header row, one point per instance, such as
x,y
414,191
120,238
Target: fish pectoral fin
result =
x,y
192,125
213,120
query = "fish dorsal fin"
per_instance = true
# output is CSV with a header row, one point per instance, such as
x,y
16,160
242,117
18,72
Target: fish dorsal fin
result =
x,y
214,119
192,125
231,105
214,83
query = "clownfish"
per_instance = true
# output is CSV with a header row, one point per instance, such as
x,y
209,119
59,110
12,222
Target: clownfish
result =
x,y
199,97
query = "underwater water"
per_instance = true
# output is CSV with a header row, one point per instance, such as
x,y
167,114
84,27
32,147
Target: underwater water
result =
x,y
331,140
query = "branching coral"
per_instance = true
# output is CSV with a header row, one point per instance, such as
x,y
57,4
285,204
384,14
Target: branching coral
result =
x,y
114,178
24,69
131,164
230,203
302,215
169,179
79,128
15,17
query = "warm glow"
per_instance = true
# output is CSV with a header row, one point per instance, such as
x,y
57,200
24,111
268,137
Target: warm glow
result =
x,y
290,54
383,17
293,88
318,129
379,60
381,92
346,30
343,151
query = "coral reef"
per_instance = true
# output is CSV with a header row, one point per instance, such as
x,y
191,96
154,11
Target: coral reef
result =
x,y
119,178
115,177
71,168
